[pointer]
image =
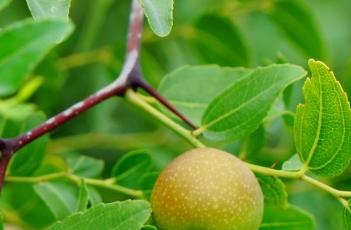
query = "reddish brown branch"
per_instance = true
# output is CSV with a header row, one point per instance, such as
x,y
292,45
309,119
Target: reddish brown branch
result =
x,y
130,77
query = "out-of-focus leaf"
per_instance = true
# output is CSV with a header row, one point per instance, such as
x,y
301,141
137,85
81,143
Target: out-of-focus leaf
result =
x,y
30,208
274,190
347,217
160,15
293,164
128,214
298,23
94,196
147,182
291,218
220,42
84,166
191,88
322,127
129,168
1,222
59,197
28,159
4,3
23,45
240,109
41,9
83,197
255,142
149,227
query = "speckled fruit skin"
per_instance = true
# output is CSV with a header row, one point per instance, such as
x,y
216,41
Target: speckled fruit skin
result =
x,y
206,188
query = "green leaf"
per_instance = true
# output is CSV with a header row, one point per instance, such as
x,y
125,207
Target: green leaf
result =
x,y
297,21
149,227
27,160
322,127
1,222
347,217
291,218
4,3
59,197
128,214
41,9
129,168
255,142
240,109
293,164
30,208
219,41
184,87
160,15
83,197
274,190
23,45
94,196
147,182
84,166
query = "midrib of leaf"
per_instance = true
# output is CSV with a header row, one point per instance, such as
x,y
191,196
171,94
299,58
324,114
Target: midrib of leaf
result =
x,y
316,139
239,107
343,136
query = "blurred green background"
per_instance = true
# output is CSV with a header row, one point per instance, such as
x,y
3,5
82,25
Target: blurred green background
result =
x,y
228,33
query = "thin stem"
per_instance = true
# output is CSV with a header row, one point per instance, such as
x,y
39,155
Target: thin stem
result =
x,y
299,175
274,172
135,99
109,183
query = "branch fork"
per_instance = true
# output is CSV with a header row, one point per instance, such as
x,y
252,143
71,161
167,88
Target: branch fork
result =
x,y
131,77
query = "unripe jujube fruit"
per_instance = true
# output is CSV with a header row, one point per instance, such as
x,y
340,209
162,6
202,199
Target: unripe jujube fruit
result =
x,y
206,188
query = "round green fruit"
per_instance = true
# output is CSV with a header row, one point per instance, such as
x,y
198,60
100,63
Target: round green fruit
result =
x,y
206,188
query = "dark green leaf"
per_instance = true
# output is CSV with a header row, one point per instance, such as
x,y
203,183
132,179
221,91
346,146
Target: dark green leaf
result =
x,y
129,215
28,159
298,23
240,109
220,42
23,45
42,9
274,190
291,218
323,124
83,197
147,182
1,222
129,168
160,15
255,142
59,197
191,88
